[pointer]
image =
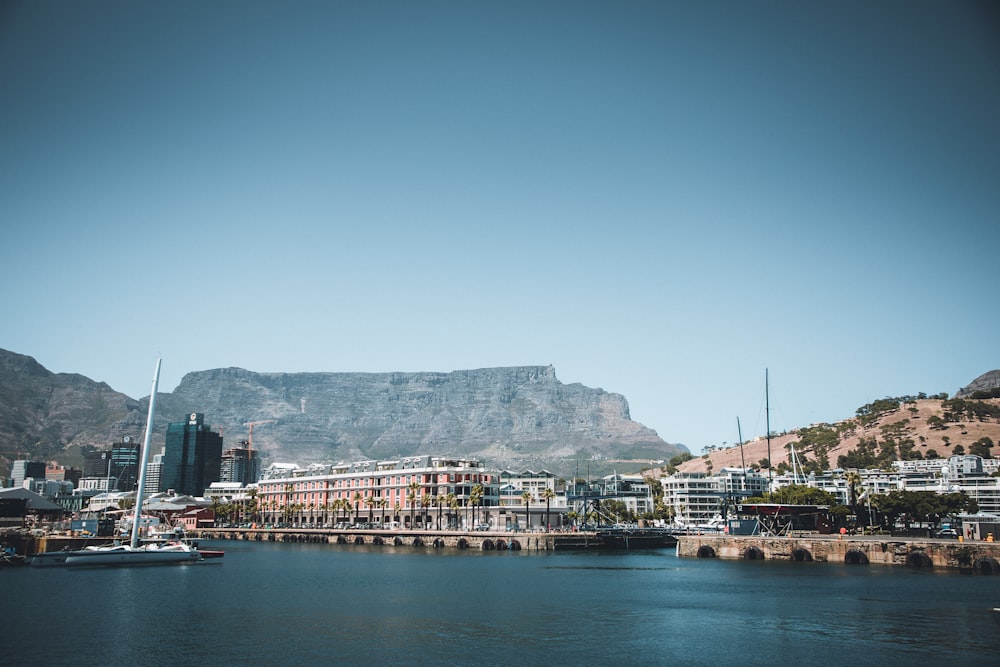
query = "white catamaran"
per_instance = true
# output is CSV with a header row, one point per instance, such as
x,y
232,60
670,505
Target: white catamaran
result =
x,y
133,553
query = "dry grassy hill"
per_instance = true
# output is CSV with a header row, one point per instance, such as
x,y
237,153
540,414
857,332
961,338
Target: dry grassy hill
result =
x,y
924,425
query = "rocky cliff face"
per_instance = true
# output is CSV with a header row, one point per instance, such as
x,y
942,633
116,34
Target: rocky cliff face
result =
x,y
987,382
519,417
503,415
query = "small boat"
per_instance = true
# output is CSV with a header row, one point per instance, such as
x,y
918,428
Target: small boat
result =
x,y
155,553
177,534
10,558
995,613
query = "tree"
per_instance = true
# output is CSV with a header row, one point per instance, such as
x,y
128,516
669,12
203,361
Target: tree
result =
x,y
853,479
527,498
981,447
411,497
476,498
437,502
357,504
425,502
453,505
800,494
548,494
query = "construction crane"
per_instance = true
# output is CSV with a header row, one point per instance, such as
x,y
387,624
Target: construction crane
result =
x,y
250,436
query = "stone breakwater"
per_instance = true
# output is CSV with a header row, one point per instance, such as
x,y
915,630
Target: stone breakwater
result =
x,y
982,557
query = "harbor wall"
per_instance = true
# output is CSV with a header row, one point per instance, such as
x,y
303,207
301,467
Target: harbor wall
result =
x,y
480,541
983,557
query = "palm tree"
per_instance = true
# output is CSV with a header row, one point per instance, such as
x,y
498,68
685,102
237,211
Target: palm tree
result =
x,y
436,501
476,498
382,504
453,504
425,502
357,504
252,505
548,494
371,502
411,497
527,498
288,503
853,487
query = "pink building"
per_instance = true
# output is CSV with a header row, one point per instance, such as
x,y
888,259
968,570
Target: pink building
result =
x,y
431,492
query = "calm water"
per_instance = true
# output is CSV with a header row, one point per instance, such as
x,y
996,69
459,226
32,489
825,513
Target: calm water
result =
x,y
284,604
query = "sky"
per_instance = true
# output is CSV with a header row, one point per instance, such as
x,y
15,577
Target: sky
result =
x,y
666,200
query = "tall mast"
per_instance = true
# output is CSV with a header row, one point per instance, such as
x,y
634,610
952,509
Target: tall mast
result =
x,y
145,457
767,410
743,460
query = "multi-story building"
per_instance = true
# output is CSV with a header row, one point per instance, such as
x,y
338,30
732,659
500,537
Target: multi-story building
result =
x,y
412,492
114,469
547,494
192,456
694,497
240,465
21,470
58,473
153,469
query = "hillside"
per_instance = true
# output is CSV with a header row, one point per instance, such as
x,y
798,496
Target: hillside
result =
x,y
42,412
519,417
921,428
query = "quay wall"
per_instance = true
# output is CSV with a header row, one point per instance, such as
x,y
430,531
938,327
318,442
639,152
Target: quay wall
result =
x,y
983,557
481,541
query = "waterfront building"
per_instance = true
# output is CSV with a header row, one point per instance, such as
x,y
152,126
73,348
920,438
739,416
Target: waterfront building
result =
x,y
429,492
694,497
544,489
192,456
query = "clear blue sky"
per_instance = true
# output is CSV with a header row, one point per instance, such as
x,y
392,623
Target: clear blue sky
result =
x,y
661,199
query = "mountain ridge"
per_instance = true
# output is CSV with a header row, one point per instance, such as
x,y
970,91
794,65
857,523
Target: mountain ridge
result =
x,y
519,416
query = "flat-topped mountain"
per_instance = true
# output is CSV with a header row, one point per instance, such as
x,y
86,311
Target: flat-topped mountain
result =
x,y
517,417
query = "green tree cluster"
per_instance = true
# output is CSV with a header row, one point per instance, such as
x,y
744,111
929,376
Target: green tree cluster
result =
x,y
923,506
958,409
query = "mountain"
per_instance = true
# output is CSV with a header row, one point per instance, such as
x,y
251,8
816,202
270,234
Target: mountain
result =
x,y
987,384
518,417
43,412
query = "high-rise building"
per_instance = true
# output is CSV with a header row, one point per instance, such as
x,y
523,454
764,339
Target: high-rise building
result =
x,y
118,467
125,464
192,456
21,470
96,462
240,464
153,469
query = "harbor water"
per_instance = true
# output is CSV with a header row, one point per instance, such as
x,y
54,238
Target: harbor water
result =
x,y
305,604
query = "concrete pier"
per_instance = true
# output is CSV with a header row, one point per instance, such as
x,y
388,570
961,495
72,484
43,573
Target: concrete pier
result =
x,y
983,557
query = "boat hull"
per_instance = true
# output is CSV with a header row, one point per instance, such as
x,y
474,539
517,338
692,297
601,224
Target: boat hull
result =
x,y
115,557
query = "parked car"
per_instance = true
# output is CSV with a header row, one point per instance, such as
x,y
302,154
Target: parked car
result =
x,y
947,533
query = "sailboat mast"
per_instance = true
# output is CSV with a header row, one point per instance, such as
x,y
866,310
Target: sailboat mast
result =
x,y
743,460
767,412
145,457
